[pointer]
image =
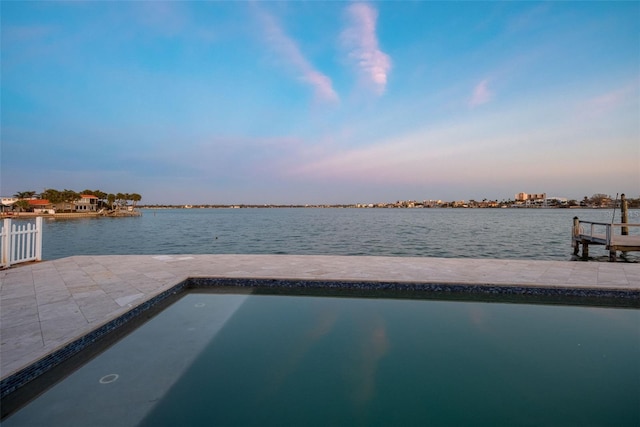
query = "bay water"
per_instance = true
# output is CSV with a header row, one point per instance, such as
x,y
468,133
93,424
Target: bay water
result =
x,y
543,234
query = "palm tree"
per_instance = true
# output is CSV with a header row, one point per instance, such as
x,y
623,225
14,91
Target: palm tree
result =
x,y
24,195
120,197
135,198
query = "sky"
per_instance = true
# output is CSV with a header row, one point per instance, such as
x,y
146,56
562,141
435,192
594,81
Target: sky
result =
x,y
320,102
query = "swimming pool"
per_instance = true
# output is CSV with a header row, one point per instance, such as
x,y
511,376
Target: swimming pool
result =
x,y
218,358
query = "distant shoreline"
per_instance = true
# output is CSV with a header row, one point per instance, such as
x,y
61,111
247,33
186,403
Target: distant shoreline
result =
x,y
137,212
160,207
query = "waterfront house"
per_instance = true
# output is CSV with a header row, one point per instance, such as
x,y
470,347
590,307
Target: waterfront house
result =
x,y
7,203
86,203
41,206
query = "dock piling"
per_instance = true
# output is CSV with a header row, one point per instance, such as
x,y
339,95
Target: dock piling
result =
x,y
576,234
624,214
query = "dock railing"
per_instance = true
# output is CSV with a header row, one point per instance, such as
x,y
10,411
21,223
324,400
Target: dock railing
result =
x,y
20,242
607,234
603,232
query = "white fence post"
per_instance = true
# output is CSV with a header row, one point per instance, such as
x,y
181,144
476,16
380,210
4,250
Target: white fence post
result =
x,y
38,241
20,243
6,231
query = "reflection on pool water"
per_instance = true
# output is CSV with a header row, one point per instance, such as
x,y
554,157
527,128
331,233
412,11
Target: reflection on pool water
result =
x,y
228,359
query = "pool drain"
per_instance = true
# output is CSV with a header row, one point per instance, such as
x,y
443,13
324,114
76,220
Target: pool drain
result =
x,y
109,378
200,304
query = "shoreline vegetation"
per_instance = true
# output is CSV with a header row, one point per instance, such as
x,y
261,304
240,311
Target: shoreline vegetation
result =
x,y
65,215
52,203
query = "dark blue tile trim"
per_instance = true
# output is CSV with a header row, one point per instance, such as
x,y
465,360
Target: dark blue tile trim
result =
x,y
416,287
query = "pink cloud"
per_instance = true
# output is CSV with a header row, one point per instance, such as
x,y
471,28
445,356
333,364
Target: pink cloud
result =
x,y
290,52
362,43
612,102
481,94
612,99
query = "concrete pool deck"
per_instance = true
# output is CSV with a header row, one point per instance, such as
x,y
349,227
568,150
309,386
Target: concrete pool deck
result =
x,y
46,305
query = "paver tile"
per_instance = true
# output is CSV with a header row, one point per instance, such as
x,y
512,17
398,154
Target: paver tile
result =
x,y
62,326
98,309
52,295
58,309
15,311
18,290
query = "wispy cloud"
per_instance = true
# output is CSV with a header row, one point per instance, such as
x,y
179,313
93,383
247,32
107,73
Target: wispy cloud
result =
x,y
529,19
166,18
362,43
611,100
288,49
25,33
481,94
428,153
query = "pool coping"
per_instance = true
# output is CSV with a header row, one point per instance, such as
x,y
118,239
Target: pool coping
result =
x,y
625,289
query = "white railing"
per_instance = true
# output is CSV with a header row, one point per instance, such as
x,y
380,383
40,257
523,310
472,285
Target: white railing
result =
x,y
20,242
605,233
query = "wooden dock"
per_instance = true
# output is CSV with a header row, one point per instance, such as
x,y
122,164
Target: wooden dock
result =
x,y
614,237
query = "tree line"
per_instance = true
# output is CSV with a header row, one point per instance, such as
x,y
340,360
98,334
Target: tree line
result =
x,y
108,200
605,200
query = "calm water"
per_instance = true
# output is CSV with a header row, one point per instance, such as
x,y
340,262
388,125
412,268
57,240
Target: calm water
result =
x,y
476,233
217,359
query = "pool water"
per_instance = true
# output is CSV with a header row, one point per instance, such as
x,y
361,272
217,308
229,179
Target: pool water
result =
x,y
243,359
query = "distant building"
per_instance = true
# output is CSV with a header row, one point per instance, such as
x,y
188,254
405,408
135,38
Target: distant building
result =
x,y
86,203
535,198
557,200
8,201
431,203
40,205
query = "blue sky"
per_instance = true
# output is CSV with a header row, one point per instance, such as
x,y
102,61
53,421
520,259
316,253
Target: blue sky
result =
x,y
321,102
